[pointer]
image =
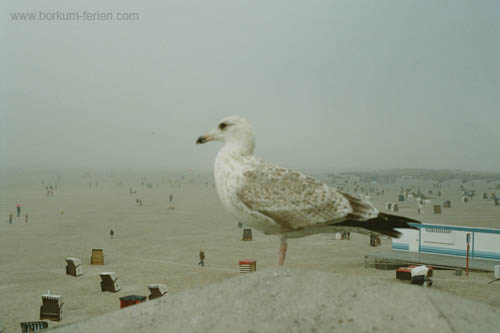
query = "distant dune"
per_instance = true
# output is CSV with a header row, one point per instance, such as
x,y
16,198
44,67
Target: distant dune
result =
x,y
441,175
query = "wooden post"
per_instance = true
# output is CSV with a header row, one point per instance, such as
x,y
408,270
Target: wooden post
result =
x,y
467,262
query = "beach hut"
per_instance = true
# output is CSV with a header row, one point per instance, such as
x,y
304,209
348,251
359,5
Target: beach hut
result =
x,y
401,197
131,300
485,195
388,205
32,326
465,199
375,240
437,209
395,207
247,266
157,290
74,267
51,306
447,204
247,234
109,282
97,257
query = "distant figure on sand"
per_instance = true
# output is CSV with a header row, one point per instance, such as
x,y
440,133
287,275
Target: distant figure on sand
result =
x,y
171,206
111,233
420,206
26,218
18,208
137,201
10,218
202,258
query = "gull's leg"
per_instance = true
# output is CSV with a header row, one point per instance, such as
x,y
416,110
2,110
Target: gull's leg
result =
x,y
282,250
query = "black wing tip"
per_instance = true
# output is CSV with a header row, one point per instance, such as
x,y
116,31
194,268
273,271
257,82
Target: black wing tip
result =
x,y
396,221
399,218
385,224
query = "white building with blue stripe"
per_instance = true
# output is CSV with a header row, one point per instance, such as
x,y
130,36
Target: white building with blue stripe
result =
x,y
450,240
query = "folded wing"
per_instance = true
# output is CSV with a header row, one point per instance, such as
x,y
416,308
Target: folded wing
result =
x,y
295,201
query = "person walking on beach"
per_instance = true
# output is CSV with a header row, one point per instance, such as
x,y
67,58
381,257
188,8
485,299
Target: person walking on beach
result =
x,y
111,233
420,206
18,208
171,206
202,258
10,218
26,219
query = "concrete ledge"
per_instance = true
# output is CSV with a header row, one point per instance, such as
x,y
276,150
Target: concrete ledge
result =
x,y
284,300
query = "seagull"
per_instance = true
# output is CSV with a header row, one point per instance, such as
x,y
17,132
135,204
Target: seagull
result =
x,y
285,202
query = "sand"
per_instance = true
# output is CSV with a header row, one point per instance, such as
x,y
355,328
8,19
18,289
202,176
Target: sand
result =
x,y
153,244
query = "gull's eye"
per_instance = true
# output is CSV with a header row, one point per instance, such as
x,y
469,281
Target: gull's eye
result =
x,y
222,126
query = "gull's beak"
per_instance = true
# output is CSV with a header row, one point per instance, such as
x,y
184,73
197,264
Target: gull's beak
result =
x,y
206,137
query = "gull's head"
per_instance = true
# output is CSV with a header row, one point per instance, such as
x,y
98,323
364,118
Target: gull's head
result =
x,y
232,130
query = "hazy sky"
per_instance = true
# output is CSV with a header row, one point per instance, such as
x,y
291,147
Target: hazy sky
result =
x,y
327,84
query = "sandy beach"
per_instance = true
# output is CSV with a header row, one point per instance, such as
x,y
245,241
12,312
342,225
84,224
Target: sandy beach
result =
x,y
154,244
